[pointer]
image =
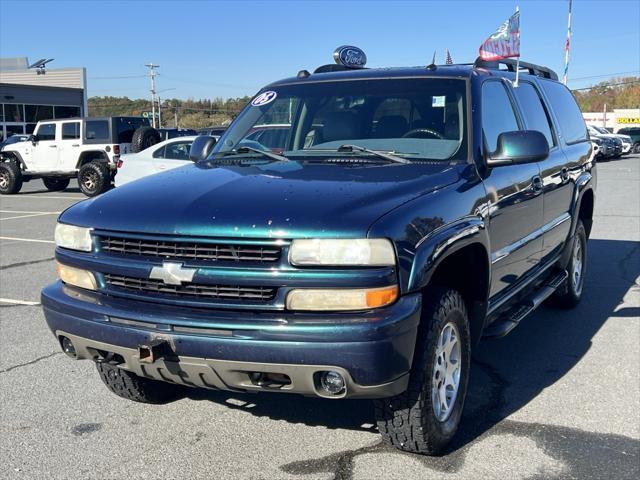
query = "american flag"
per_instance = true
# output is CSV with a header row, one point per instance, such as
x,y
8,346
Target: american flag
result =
x,y
448,61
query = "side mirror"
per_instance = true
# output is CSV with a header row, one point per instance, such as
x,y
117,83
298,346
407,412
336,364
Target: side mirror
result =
x,y
33,139
201,148
522,146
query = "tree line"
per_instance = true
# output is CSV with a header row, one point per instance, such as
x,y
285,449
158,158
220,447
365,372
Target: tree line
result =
x,y
623,92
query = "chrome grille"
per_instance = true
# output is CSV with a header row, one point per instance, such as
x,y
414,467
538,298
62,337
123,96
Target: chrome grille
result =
x,y
208,252
191,290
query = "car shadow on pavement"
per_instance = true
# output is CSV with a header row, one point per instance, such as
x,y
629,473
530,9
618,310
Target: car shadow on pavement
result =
x,y
45,190
506,374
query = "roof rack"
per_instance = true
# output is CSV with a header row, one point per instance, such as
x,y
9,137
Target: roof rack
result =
x,y
512,64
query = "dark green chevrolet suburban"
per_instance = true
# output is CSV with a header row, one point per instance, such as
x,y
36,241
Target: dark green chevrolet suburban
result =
x,y
406,214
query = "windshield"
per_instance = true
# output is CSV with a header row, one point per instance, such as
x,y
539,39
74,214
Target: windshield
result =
x,y
417,118
601,130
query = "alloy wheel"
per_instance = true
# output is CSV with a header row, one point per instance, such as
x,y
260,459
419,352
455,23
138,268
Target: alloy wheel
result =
x,y
4,179
446,372
578,266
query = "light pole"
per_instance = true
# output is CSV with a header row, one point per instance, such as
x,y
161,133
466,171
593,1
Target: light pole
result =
x,y
152,75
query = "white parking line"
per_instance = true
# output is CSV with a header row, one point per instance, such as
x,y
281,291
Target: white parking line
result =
x,y
18,302
28,211
27,240
27,216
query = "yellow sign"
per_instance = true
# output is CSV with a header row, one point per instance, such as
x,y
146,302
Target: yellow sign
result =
x,y
628,120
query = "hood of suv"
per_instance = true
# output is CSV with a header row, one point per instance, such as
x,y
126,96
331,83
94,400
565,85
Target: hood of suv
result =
x,y
273,199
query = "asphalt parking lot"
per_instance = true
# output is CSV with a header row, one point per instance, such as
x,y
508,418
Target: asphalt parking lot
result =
x,y
558,398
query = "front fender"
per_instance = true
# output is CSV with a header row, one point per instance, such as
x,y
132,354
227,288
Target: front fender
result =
x,y
441,243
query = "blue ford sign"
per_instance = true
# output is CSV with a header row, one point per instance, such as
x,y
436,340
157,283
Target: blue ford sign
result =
x,y
349,56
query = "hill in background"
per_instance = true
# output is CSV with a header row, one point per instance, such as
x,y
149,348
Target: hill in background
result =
x,y
615,93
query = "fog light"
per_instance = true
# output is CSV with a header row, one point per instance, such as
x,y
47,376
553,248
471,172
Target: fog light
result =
x,y
68,348
332,382
76,276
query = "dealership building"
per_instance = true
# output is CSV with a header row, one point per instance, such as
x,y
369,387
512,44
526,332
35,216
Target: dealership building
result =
x,y
615,119
30,93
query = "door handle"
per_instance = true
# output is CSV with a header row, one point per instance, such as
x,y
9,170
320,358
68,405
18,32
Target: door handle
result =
x,y
52,146
536,184
564,174
75,145
162,167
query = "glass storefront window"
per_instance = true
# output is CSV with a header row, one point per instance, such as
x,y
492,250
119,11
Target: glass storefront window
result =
x,y
36,113
13,112
14,129
30,127
66,112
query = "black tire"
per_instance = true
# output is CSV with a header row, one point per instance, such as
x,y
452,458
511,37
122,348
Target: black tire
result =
x,y
94,178
569,294
636,147
139,389
55,184
10,178
144,137
408,421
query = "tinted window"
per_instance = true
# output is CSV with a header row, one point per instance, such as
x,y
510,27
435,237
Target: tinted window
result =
x,y
47,131
13,112
126,126
96,130
497,113
569,116
534,111
36,113
177,150
71,131
66,112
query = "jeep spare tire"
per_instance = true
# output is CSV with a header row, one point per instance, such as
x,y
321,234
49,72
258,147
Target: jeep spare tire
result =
x,y
55,184
94,178
143,138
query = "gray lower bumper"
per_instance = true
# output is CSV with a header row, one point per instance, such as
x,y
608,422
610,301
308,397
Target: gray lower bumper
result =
x,y
231,375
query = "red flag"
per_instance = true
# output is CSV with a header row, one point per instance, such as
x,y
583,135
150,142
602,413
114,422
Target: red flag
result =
x,y
448,61
505,42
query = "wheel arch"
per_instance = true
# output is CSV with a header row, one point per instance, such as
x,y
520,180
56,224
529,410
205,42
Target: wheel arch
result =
x,y
16,156
91,155
457,256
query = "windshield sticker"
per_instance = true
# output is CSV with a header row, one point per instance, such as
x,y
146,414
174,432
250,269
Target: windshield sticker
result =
x,y
264,98
437,101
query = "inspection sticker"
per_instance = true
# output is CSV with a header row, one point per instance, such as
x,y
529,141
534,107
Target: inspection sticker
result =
x,y
264,98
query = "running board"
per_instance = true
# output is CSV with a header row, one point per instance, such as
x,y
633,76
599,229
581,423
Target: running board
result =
x,y
512,318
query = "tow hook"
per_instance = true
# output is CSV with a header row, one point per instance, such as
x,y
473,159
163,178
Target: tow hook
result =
x,y
155,349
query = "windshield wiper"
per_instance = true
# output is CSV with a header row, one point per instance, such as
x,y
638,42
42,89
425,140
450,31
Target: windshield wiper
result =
x,y
386,156
244,149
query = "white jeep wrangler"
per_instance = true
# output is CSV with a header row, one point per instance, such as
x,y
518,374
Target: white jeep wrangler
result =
x,y
86,148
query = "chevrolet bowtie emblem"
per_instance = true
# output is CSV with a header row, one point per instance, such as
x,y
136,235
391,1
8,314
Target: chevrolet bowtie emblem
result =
x,y
172,273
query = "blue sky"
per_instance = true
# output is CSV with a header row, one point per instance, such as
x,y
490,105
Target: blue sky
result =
x,y
227,49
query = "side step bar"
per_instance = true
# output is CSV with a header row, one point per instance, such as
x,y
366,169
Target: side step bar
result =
x,y
511,319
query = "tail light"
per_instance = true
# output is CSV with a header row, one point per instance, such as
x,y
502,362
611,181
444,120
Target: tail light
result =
x,y
116,149
120,163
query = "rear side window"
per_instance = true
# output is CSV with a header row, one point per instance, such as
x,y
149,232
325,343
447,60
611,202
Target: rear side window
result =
x,y
497,113
47,132
97,130
534,112
570,120
71,131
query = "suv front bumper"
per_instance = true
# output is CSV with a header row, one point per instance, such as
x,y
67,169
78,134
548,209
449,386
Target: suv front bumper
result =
x,y
226,349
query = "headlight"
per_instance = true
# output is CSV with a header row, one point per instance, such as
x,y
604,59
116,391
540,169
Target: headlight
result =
x,y
341,299
76,276
75,238
342,252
